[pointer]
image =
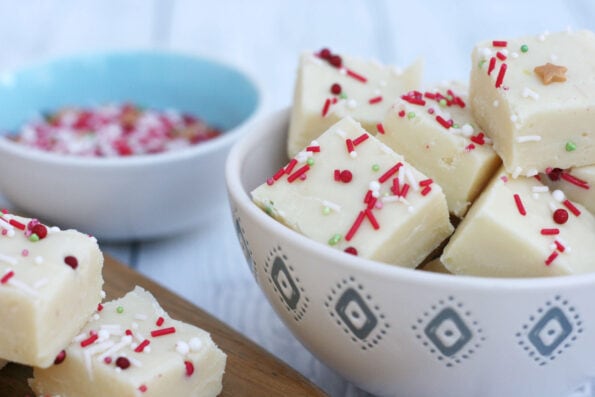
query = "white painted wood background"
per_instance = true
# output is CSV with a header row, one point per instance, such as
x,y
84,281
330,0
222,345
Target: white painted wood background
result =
x,y
264,38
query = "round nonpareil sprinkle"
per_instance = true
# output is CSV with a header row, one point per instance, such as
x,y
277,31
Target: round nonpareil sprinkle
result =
x,y
560,216
119,310
570,146
524,48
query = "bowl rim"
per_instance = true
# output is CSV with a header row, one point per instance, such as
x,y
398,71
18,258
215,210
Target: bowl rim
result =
x,y
242,200
222,141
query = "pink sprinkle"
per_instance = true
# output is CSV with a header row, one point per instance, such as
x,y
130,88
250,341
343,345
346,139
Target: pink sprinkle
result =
x,y
142,388
375,100
25,252
504,178
6,277
380,128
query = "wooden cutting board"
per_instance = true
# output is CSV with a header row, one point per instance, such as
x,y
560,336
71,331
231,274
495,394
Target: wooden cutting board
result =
x,y
250,370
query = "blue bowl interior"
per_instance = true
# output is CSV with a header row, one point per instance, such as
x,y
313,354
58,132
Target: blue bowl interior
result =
x,y
221,96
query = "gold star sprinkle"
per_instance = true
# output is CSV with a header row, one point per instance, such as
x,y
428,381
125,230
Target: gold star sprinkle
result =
x,y
551,73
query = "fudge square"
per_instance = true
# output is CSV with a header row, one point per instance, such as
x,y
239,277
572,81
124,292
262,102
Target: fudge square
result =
x,y
534,96
577,183
519,228
131,347
330,86
435,132
50,283
352,192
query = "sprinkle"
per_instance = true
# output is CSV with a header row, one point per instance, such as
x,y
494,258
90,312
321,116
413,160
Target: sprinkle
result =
x,y
356,76
519,205
499,43
189,368
550,231
372,219
501,56
501,73
426,190
551,258
559,246
540,189
142,345
182,348
443,122
195,344
528,138
360,139
8,259
334,240
380,128
34,238
119,310
7,276
351,250
298,173
349,144
17,224
426,182
390,172
410,115
574,180
142,388
375,167
568,204
375,100
558,195
60,357
355,226
570,146
163,331
99,307
346,176
413,100
331,206
560,216
122,362
314,149
325,107
492,65
310,161
89,340
524,48
529,93
479,138
336,89
71,261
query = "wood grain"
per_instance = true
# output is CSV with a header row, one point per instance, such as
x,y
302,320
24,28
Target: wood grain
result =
x,y
250,371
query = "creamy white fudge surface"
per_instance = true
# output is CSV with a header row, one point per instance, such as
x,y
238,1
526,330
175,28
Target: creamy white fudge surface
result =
x,y
50,283
577,183
538,115
435,131
352,192
331,86
131,347
519,228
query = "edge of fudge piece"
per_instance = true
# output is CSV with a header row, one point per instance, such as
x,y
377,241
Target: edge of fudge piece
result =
x,y
577,183
50,283
329,87
537,124
3,363
132,347
435,131
350,191
514,229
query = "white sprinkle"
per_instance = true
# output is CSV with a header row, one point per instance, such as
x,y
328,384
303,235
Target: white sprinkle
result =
x,y
411,209
333,206
467,130
540,189
558,195
80,337
353,154
374,185
495,103
8,259
553,206
341,133
343,71
182,348
410,178
10,233
529,93
390,199
195,344
40,283
486,52
88,365
314,143
553,57
517,171
103,294
135,362
23,287
103,334
377,92
140,317
535,196
125,341
514,55
352,104
385,148
112,328
5,225
95,317
53,229
531,172
38,260
528,138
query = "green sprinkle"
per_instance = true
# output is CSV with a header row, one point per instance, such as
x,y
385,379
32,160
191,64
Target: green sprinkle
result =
x,y
326,210
310,161
335,239
34,237
442,102
481,63
449,97
269,210
411,115
342,95
524,48
456,126
375,168
570,146
120,309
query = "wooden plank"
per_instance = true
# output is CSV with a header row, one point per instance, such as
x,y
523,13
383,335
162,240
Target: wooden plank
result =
x,y
250,371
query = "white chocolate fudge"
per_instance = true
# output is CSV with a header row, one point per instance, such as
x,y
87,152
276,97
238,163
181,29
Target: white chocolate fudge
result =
x,y
435,132
435,266
131,347
519,228
577,183
352,192
50,283
329,87
3,363
534,96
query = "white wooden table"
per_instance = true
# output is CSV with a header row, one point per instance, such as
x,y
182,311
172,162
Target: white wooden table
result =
x,y
265,38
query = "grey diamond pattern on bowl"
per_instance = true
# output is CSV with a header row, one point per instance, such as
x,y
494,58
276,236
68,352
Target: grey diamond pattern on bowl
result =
x,y
286,284
551,331
449,332
354,311
244,244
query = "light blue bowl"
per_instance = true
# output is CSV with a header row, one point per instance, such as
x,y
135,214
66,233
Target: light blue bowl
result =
x,y
134,197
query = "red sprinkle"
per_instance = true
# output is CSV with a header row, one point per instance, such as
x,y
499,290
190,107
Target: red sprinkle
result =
x,y
159,321
142,345
413,100
336,61
142,388
560,216
325,108
292,163
122,362
571,207
492,65
355,226
17,224
351,250
336,89
391,171
337,175
404,190
346,176
163,331
189,368
519,205
298,173
99,307
360,139
313,149
356,76
559,246
89,340
479,138
551,258
372,219
574,180
71,261
7,277
279,174
349,144
402,113
426,182
499,43
380,128
550,231
40,230
501,74
501,56
426,190
443,122
375,100
60,357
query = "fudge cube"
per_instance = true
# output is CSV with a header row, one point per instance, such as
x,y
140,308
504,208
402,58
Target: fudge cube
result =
x,y
329,87
577,183
435,132
352,192
534,97
50,283
131,347
519,228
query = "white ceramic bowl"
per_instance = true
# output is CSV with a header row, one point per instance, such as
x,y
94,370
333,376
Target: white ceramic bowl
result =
x,y
402,332
133,197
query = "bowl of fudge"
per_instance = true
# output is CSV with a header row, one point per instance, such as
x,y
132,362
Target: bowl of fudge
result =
x,y
121,145
432,240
